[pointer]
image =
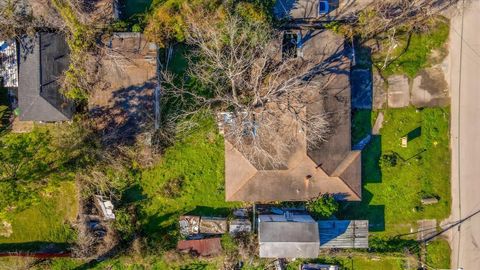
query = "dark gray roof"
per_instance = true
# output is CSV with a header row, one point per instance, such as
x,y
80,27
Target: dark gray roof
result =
x,y
42,60
343,233
288,239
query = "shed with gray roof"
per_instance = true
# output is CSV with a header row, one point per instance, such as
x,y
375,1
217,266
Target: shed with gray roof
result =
x,y
288,239
343,233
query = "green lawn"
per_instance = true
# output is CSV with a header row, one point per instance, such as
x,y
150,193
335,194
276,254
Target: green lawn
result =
x,y
130,263
438,254
396,179
46,221
189,178
38,195
354,262
413,50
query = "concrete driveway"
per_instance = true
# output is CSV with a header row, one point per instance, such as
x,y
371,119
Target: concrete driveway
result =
x,y
465,131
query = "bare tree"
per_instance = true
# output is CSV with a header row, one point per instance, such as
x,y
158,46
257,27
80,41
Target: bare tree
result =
x,y
381,16
22,17
262,98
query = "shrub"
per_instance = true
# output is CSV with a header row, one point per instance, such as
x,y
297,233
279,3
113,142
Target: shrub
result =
x,y
173,187
136,28
323,207
228,244
123,224
389,160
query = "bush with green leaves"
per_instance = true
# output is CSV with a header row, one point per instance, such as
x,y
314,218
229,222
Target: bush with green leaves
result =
x,y
323,206
389,160
124,224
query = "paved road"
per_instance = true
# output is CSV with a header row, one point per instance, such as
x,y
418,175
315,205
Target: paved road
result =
x,y
465,129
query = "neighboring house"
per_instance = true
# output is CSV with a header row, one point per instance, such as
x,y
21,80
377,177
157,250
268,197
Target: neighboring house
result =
x,y
288,236
332,167
42,60
307,9
8,64
343,233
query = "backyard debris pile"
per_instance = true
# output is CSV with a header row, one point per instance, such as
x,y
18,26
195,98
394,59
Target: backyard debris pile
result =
x,y
240,213
238,226
213,225
189,225
95,234
95,225
196,227
106,207
5,229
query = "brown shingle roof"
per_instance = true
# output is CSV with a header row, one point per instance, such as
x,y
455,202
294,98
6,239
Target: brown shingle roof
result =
x,y
331,167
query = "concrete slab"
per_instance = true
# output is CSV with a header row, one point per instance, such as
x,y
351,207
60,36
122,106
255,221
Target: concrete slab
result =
x,y
379,91
22,126
430,89
398,91
426,228
361,88
378,124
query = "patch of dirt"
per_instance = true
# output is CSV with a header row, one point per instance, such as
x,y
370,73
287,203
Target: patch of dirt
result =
x,y
438,55
5,228
124,108
22,126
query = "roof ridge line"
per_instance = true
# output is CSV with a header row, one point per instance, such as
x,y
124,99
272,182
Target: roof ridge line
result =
x,y
353,154
346,162
246,181
243,184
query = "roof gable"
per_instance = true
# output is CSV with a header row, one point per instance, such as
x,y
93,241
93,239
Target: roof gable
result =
x,y
287,239
43,59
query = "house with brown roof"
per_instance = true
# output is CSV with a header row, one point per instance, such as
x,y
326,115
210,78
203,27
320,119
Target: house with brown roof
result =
x,y
330,167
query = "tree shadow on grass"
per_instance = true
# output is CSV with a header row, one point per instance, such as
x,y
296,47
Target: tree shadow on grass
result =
x,y
162,230
210,211
34,247
133,194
